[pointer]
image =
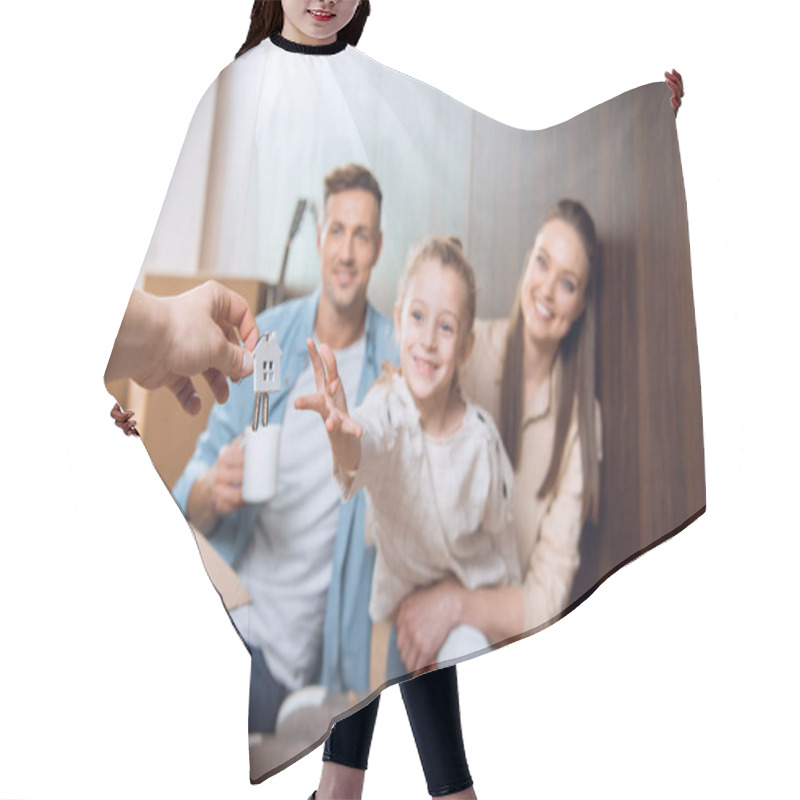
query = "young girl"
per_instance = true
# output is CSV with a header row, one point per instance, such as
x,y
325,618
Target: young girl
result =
x,y
437,477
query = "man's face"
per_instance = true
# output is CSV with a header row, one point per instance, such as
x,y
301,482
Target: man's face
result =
x,y
349,243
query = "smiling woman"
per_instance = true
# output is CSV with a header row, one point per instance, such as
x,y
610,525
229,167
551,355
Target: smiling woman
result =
x,y
553,319
553,290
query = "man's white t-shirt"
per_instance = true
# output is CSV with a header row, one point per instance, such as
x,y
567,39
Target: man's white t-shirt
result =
x,y
287,565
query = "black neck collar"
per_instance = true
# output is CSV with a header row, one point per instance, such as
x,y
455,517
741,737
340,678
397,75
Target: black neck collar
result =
x,y
308,49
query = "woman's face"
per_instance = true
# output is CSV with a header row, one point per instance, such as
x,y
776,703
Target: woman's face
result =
x,y
553,293
315,22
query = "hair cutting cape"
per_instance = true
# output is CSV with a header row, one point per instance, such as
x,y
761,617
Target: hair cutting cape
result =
x,y
264,136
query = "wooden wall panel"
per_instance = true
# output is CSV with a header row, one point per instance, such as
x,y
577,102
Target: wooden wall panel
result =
x,y
653,477
621,160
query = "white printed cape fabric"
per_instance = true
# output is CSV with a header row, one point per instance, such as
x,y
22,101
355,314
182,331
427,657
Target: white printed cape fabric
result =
x,y
243,207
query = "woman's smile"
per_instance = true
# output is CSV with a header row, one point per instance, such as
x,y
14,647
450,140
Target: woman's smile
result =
x,y
542,311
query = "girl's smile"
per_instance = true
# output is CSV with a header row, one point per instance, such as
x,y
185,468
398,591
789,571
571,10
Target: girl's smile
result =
x,y
425,366
316,22
321,16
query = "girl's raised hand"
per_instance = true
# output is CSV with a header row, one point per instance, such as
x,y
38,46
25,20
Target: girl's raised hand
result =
x,y
330,403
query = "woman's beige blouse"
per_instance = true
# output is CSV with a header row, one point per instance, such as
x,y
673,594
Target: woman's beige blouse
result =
x,y
547,529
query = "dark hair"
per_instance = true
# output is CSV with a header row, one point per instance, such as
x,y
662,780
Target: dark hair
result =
x,y
353,176
577,378
266,19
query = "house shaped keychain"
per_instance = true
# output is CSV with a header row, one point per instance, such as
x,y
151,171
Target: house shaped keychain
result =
x,y
262,440
266,376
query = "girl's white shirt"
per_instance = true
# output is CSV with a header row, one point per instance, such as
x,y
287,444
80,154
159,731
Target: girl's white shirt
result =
x,y
437,507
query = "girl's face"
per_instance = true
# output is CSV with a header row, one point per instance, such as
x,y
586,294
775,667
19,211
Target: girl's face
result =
x,y
553,292
432,326
315,22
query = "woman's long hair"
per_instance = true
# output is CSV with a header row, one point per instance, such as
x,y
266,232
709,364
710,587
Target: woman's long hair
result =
x,y
266,19
577,377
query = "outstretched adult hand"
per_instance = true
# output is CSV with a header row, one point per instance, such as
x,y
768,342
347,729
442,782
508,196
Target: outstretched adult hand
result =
x,y
330,403
675,83
164,341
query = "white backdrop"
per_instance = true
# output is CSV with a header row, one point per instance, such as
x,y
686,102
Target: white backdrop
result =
x,y
120,675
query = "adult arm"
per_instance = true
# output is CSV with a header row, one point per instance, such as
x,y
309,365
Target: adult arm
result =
x,y
426,617
163,341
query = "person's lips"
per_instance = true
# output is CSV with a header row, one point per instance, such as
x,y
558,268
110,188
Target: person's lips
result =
x,y
542,311
321,16
424,366
345,277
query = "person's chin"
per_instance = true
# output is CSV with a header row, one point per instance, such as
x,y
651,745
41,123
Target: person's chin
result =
x,y
421,387
538,331
344,300
347,303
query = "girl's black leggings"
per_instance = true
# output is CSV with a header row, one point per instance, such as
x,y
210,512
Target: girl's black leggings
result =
x,y
432,706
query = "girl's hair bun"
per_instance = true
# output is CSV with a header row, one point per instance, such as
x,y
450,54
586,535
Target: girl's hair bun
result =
x,y
456,242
